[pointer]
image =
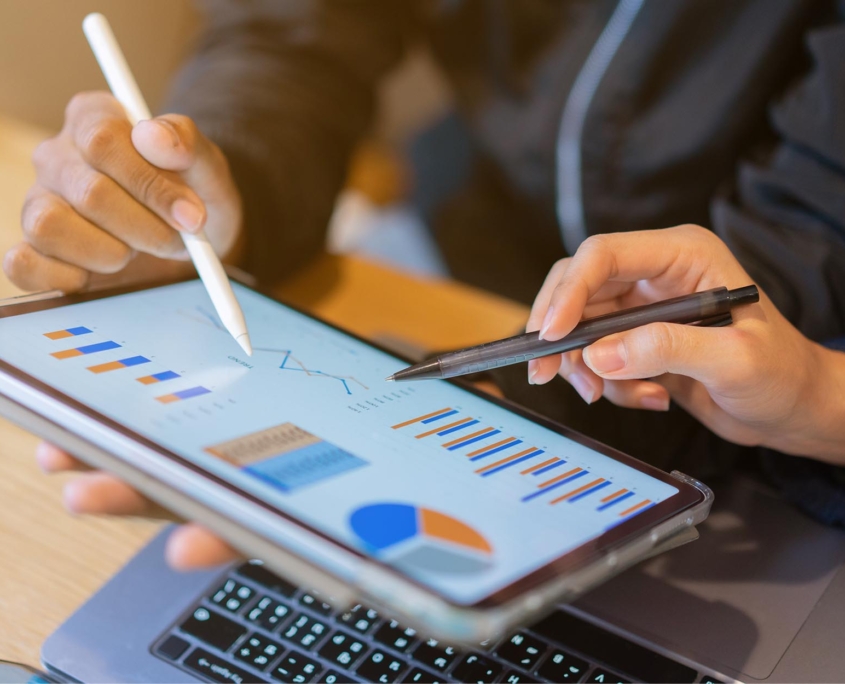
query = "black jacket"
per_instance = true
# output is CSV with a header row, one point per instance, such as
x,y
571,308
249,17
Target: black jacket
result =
x,y
726,113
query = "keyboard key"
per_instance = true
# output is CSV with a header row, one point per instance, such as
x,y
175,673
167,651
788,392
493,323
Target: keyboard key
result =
x,y
311,601
433,655
381,667
360,619
522,650
514,677
332,677
595,643
216,669
563,667
392,635
343,649
258,651
601,676
268,613
232,595
295,667
270,581
305,631
213,628
477,668
423,677
172,647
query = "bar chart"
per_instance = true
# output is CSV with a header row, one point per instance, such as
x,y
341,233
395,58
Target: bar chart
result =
x,y
559,481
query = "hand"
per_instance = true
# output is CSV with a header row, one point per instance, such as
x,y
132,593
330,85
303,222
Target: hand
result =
x,y
110,200
190,547
756,382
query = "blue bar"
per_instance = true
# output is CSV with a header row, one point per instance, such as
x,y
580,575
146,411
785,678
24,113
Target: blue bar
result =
x,y
166,375
490,452
587,492
442,415
457,427
193,392
474,439
78,331
549,467
508,465
100,346
555,485
615,501
134,361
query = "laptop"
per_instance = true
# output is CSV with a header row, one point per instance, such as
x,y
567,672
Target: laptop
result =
x,y
759,597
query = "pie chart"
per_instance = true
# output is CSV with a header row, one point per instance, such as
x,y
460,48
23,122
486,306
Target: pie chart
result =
x,y
421,539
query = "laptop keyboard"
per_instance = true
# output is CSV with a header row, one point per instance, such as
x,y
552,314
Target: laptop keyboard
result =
x,y
254,626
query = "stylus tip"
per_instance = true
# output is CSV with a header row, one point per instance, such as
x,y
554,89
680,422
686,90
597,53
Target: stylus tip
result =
x,y
389,378
243,340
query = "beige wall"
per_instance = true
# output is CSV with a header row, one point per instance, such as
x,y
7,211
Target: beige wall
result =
x,y
44,58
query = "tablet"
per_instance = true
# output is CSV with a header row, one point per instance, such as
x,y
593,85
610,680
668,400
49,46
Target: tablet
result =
x,y
455,510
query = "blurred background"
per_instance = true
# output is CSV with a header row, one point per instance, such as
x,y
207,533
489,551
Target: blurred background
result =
x,y
44,60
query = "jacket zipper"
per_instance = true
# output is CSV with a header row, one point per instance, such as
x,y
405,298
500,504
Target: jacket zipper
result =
x,y
570,201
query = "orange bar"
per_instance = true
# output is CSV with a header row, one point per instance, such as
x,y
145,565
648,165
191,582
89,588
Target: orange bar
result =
x,y
147,380
167,398
613,496
106,367
559,477
553,459
489,446
466,437
66,354
58,335
505,460
444,427
577,491
417,420
635,508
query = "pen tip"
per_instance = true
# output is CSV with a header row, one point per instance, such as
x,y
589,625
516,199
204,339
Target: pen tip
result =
x,y
389,378
243,340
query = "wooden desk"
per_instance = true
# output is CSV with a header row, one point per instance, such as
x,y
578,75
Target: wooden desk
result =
x,y
50,562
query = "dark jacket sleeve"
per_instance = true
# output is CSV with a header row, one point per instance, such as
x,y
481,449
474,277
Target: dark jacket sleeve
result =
x,y
286,89
785,220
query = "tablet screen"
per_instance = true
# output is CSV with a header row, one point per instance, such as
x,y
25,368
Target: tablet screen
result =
x,y
458,492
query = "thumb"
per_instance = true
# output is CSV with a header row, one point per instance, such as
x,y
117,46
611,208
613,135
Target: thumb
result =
x,y
173,142
709,355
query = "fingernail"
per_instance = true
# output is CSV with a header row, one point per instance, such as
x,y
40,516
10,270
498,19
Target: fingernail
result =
x,y
583,387
655,403
188,215
606,356
163,127
532,371
547,321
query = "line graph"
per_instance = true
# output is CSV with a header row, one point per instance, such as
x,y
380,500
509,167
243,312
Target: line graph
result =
x,y
289,361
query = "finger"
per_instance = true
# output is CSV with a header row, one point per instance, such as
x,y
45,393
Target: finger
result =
x,y
637,394
101,493
51,459
719,357
192,547
544,296
105,204
104,139
55,230
32,271
688,257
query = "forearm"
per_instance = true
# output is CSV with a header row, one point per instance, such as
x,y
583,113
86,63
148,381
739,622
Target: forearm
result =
x,y
823,413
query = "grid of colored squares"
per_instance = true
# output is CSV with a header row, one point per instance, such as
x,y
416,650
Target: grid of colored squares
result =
x,y
183,394
68,332
559,480
117,365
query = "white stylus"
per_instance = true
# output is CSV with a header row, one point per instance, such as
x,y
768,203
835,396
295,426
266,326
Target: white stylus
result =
x,y
125,89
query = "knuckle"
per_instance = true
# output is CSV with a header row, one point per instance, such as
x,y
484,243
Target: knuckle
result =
x,y
40,218
44,153
118,260
153,188
15,262
100,140
91,192
661,341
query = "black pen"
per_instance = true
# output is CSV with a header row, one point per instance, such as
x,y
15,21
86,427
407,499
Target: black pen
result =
x,y
710,308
